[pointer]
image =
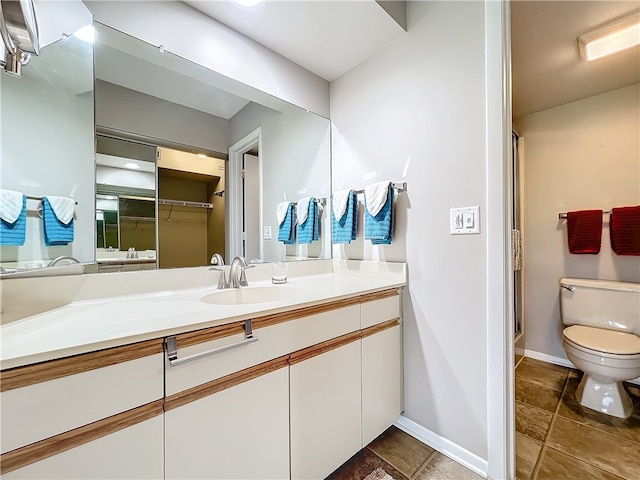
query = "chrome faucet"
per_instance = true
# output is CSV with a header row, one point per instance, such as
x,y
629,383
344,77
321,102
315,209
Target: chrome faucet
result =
x,y
57,260
216,259
237,277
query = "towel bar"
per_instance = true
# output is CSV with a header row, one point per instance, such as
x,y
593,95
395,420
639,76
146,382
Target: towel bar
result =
x,y
399,187
564,214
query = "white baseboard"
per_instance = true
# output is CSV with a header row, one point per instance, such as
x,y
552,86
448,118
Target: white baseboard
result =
x,y
560,361
565,362
444,446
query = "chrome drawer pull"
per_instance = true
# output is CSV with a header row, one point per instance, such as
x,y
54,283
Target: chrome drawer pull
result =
x,y
171,344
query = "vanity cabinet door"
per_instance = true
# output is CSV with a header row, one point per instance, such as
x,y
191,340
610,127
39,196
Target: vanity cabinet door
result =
x,y
135,452
325,409
382,383
241,432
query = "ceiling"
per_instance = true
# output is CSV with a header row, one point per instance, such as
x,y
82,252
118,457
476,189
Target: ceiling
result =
x,y
546,66
130,63
327,37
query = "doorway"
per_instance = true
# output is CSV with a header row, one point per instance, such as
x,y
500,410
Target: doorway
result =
x,y
244,224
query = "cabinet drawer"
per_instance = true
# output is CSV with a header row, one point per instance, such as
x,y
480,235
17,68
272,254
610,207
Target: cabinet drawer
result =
x,y
50,407
274,340
378,311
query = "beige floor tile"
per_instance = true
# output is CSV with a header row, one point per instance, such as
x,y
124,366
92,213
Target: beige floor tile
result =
x,y
629,428
547,365
527,452
545,377
556,465
532,422
605,451
441,467
535,395
401,450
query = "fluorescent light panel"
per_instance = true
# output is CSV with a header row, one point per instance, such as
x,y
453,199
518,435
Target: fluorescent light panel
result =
x,y
620,35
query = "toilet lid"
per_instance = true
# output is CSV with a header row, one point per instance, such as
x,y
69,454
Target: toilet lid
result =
x,y
607,341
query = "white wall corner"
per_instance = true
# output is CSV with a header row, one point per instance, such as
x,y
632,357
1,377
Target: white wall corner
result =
x,y
444,446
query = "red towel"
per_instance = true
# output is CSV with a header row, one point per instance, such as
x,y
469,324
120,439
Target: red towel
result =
x,y
585,231
624,229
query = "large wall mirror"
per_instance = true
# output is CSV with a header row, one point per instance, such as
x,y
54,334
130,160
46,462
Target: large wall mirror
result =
x,y
47,146
176,121
150,98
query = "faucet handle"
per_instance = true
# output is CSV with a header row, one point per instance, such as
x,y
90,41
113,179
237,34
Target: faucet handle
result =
x,y
243,277
222,278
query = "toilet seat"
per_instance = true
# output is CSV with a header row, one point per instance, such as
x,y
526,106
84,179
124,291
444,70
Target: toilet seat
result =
x,y
608,343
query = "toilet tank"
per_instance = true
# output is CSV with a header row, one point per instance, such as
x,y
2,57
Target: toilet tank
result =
x,y
600,303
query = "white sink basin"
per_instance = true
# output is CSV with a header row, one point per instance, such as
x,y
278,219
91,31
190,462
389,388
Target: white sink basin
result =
x,y
246,295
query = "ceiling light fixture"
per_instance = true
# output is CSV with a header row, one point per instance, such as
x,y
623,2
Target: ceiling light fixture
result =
x,y
132,166
613,37
201,155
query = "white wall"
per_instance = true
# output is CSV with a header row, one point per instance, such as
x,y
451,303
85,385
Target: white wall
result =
x,y
47,144
192,35
583,155
134,112
296,162
416,112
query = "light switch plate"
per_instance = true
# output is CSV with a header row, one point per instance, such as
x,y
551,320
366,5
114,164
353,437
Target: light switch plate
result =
x,y
464,220
266,232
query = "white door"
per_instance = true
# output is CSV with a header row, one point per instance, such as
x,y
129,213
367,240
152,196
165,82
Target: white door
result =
x,y
251,207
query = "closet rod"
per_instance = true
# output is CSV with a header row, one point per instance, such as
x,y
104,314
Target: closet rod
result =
x,y
564,214
184,203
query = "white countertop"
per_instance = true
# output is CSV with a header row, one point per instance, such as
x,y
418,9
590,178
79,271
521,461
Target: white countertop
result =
x,y
88,325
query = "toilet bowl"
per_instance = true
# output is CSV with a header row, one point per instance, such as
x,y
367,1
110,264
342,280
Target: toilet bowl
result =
x,y
602,339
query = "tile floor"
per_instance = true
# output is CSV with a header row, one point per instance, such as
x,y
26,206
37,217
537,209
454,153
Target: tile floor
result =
x,y
557,438
404,458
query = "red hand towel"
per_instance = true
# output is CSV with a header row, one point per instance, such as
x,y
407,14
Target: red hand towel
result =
x,y
585,231
624,229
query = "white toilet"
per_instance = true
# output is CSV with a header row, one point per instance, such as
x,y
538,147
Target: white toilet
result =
x,y
602,338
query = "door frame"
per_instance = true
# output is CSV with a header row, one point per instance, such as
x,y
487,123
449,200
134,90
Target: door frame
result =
x,y
233,220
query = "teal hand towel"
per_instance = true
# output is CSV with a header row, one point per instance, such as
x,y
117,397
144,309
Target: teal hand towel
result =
x,y
309,231
379,228
12,229
286,230
344,229
55,232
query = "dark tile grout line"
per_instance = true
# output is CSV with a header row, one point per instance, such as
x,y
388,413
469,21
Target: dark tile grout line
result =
x,y
538,464
556,414
422,467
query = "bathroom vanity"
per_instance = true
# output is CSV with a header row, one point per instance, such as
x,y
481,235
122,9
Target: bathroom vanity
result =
x,y
267,382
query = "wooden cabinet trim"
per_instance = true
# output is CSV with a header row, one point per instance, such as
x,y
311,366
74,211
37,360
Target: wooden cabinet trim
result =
x,y
23,456
222,383
372,330
50,370
320,348
221,331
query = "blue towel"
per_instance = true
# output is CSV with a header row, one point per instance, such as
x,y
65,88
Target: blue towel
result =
x,y
286,232
14,233
379,229
55,232
309,231
345,229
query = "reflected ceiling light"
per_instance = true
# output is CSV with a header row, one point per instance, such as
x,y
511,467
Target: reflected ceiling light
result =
x,y
86,34
201,155
614,37
132,166
248,3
